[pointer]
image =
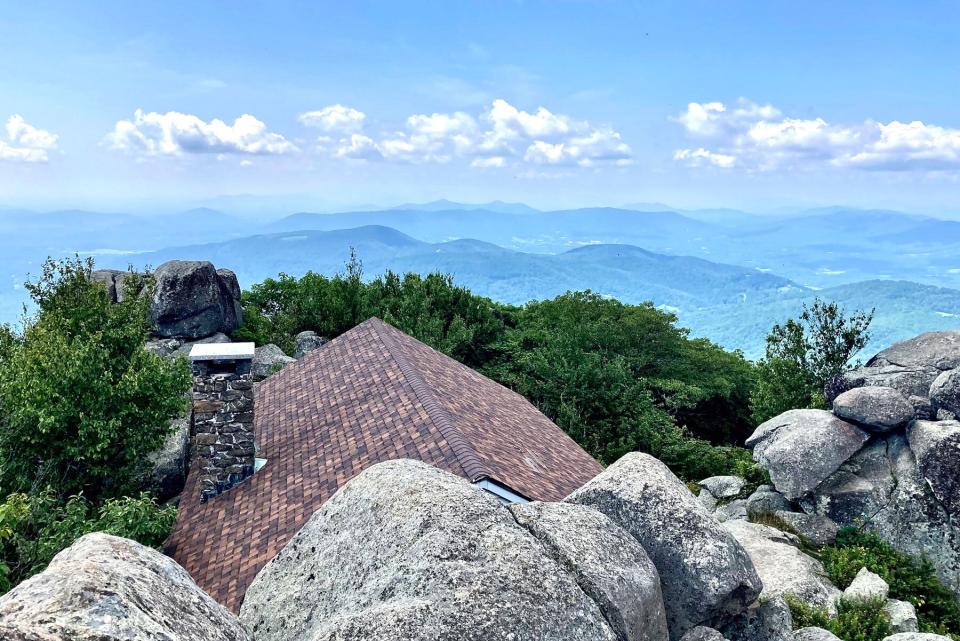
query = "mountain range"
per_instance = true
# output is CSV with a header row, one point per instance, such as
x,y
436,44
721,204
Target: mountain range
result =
x,y
729,275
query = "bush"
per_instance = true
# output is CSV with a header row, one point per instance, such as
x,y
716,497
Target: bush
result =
x,y
861,620
802,355
910,579
82,403
33,529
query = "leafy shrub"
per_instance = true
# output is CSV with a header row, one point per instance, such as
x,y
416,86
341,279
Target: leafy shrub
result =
x,y
82,403
802,355
860,620
33,529
910,579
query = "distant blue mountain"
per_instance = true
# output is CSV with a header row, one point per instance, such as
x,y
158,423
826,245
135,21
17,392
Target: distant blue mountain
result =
x,y
732,305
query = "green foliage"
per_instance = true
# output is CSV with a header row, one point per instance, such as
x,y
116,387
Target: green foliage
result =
x,y
82,403
430,308
802,355
860,620
910,579
616,377
33,529
620,378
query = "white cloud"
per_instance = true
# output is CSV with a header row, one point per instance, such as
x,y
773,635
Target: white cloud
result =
x,y
503,135
760,137
334,118
174,134
699,157
26,143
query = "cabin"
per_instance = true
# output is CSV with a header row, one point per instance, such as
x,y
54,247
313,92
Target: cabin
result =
x,y
264,460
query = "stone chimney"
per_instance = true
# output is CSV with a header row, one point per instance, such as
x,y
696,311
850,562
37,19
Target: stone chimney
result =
x,y
221,434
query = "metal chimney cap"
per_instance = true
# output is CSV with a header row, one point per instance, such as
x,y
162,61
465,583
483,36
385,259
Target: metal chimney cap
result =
x,y
222,352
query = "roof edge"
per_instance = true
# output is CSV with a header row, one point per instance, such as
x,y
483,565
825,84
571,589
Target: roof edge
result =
x,y
468,458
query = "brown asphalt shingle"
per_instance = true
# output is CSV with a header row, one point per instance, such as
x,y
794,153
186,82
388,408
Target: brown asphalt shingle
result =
x,y
371,395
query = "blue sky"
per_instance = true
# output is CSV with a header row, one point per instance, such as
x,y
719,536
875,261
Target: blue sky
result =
x,y
744,104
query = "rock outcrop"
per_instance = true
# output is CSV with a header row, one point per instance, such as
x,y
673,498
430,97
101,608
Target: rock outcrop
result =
x,y
782,566
406,551
878,409
904,483
608,564
104,588
168,465
192,299
707,576
268,359
801,448
307,342
866,586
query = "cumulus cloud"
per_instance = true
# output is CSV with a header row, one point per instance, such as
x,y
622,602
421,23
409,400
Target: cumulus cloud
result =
x,y
761,137
334,118
501,136
26,143
175,134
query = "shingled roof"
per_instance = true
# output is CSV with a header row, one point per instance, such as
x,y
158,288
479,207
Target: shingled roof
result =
x,y
371,395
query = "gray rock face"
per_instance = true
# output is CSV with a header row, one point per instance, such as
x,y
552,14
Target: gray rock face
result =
x,y
723,487
933,349
193,300
732,511
104,588
882,489
814,634
406,551
782,566
801,448
766,620
766,500
903,616
703,633
936,446
909,381
916,636
879,409
267,360
168,465
608,564
865,586
307,342
185,346
707,576
945,392
815,528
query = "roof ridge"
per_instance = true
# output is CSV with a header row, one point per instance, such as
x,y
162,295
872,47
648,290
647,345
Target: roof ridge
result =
x,y
466,455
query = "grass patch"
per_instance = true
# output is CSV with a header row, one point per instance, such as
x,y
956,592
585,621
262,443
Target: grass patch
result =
x,y
910,579
855,621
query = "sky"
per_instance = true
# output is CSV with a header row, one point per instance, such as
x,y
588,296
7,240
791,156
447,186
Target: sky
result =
x,y
756,105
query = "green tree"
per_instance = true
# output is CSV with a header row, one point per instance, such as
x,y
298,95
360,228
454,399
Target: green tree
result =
x,y
803,354
82,403
619,378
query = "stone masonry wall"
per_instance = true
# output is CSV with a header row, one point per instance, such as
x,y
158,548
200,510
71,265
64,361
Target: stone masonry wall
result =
x,y
222,434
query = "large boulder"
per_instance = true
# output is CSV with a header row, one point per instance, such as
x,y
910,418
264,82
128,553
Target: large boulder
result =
x,y
706,575
104,588
307,342
917,636
168,465
945,392
814,634
406,551
611,567
764,620
815,529
878,409
801,448
268,359
191,300
723,487
902,615
936,446
881,488
766,500
866,586
783,568
940,350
